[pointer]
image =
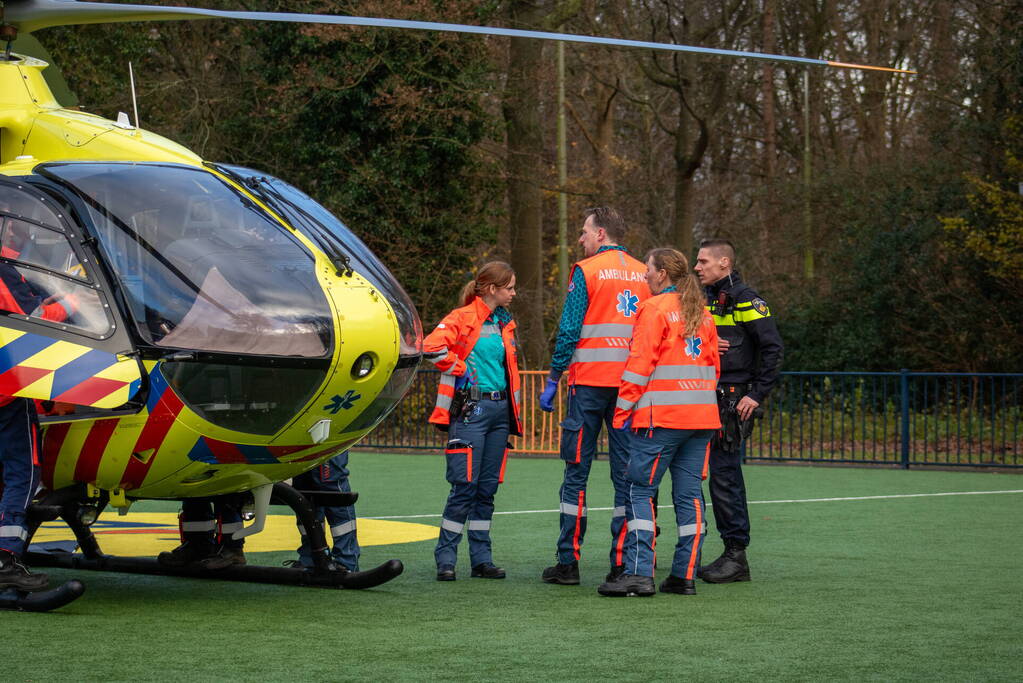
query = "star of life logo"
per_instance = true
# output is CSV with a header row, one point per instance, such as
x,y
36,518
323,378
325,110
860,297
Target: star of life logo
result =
x,y
693,345
627,303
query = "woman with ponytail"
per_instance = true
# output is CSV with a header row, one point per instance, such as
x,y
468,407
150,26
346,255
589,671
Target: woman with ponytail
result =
x,y
478,406
668,403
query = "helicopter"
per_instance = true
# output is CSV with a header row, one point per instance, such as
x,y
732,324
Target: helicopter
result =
x,y
223,332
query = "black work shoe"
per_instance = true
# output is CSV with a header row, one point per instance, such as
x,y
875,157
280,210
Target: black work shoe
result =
x,y
13,574
728,568
673,584
564,574
187,554
628,586
615,572
487,571
446,574
227,557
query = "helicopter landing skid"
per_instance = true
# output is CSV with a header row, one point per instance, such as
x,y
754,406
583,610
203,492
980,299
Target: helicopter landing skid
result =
x,y
67,505
41,601
313,577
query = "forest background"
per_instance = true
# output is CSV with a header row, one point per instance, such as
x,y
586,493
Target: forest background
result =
x,y
879,214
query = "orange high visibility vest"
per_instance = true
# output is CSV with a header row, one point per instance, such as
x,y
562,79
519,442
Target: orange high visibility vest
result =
x,y
616,285
450,344
670,380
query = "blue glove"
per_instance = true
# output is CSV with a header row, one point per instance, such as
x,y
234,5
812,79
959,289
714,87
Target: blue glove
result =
x,y
460,382
628,424
547,397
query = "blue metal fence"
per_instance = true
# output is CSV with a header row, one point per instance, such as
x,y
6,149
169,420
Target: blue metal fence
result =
x,y
886,418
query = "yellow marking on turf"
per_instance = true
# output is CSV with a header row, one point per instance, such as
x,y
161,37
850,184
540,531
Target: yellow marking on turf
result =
x,y
146,534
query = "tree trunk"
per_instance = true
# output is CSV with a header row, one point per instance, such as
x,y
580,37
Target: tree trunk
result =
x,y
603,103
770,142
682,232
524,144
683,228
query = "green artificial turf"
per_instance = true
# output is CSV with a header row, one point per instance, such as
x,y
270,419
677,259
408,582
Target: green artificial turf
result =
x,y
917,588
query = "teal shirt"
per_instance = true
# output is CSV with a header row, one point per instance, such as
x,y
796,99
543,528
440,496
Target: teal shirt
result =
x,y
486,360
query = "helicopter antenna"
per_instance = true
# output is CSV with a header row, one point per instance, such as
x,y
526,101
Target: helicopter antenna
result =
x,y
134,103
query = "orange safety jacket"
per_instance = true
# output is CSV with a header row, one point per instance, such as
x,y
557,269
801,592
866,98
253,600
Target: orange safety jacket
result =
x,y
670,380
9,302
450,344
616,285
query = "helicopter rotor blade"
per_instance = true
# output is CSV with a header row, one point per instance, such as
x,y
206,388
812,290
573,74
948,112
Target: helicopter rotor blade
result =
x,y
32,15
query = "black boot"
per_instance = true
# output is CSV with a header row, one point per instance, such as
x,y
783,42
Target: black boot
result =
x,y
616,571
730,567
487,570
188,554
13,574
673,584
628,585
564,574
225,557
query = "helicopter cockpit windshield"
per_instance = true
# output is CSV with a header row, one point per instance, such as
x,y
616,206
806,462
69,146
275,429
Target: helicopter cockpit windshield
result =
x,y
345,249
306,214
202,267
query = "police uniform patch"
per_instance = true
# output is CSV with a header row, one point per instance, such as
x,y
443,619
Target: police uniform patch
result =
x,y
761,306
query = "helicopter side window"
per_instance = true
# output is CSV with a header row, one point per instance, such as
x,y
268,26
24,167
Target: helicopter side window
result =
x,y
19,204
39,269
42,247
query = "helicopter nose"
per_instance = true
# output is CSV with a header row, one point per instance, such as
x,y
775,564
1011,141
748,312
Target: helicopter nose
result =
x,y
375,361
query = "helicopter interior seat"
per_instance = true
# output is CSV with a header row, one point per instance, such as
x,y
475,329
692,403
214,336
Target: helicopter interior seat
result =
x,y
176,230
225,307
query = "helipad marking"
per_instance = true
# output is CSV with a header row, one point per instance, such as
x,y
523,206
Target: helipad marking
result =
x,y
752,502
149,533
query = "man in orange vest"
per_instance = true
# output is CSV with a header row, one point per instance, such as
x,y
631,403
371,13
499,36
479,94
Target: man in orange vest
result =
x,y
593,344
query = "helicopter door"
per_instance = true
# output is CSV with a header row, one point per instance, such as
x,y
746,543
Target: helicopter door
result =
x,y
59,341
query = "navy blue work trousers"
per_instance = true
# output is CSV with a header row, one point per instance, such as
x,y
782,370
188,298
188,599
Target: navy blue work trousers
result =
x,y
683,453
728,493
211,521
19,459
331,476
588,409
476,455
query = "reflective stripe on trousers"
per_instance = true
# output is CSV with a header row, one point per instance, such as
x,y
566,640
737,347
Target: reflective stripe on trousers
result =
x,y
589,409
471,500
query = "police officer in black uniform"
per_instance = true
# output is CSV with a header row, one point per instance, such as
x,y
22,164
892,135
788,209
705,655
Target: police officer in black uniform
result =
x,y
751,352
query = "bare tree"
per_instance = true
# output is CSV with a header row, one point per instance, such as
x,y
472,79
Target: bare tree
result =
x,y
699,92
522,108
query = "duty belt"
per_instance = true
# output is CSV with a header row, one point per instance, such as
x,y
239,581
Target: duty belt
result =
x,y
476,395
733,391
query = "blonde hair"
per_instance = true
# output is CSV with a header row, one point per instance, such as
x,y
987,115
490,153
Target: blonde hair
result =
x,y
497,273
690,296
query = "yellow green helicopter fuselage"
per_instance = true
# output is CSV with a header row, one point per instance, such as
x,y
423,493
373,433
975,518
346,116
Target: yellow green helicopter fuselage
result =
x,y
187,371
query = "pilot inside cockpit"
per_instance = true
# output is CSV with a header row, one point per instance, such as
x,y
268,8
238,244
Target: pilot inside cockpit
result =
x,y
27,295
